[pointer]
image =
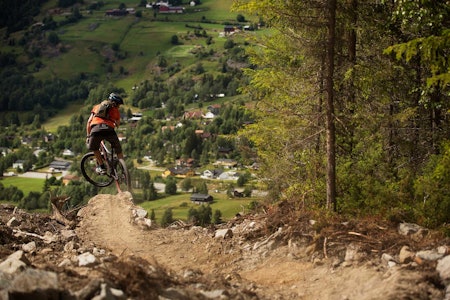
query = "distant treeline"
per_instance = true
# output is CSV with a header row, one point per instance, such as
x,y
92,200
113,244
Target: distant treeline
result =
x,y
24,93
18,14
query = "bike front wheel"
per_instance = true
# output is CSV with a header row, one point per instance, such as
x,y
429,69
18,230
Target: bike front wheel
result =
x,y
123,181
88,166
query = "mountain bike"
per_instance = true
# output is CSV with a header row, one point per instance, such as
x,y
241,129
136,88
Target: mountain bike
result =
x,y
116,169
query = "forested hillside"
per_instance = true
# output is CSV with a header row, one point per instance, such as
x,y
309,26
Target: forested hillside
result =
x,y
353,105
342,105
171,69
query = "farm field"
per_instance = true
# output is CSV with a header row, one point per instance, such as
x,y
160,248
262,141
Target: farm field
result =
x,y
180,205
139,40
63,117
27,185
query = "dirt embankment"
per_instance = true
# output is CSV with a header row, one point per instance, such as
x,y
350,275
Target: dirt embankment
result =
x,y
276,255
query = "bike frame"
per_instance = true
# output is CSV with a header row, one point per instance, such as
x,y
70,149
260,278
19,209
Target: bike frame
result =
x,y
116,168
108,158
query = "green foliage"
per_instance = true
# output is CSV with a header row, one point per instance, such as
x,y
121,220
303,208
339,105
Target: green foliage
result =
x,y
152,192
217,217
167,218
11,193
186,184
432,51
33,97
171,186
229,44
254,205
174,40
53,38
240,18
17,17
201,188
432,190
34,200
201,216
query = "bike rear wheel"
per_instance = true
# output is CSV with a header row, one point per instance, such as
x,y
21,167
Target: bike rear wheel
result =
x,y
123,181
88,165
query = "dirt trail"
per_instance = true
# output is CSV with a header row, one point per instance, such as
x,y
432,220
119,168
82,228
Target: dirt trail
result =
x,y
274,274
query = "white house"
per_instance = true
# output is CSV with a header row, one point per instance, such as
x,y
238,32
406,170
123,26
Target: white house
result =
x,y
208,174
68,152
18,164
209,115
229,176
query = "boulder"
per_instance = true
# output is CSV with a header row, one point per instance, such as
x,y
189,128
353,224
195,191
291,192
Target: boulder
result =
x,y
406,255
35,284
443,268
14,263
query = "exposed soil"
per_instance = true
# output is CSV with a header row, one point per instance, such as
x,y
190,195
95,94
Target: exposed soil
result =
x,y
278,254
281,270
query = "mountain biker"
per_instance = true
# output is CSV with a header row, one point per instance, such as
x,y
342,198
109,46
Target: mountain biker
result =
x,y
102,128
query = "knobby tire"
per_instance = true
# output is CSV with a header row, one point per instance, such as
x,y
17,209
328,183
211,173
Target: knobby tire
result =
x,y
88,165
123,181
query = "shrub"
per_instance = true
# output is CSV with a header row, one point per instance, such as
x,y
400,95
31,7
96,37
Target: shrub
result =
x,y
432,190
167,218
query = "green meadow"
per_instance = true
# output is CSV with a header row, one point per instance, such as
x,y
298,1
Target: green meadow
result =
x,y
181,203
140,40
26,185
63,117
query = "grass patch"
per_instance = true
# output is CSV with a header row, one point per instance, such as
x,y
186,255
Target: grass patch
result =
x,y
26,185
88,42
63,117
181,203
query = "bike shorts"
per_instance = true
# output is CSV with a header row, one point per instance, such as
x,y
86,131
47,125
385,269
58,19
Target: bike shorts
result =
x,y
103,132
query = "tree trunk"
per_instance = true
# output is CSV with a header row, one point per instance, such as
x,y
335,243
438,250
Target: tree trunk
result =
x,y
331,129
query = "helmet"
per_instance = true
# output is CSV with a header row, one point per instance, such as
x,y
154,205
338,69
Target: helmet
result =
x,y
115,98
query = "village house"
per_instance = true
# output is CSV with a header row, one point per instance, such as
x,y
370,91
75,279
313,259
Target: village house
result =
x,y
66,179
26,140
229,29
4,151
49,138
226,163
197,114
228,176
209,115
122,137
214,108
211,174
18,164
37,152
68,152
201,198
59,165
178,172
136,117
171,9
186,162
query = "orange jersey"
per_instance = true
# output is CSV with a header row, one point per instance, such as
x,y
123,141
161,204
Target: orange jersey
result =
x,y
114,117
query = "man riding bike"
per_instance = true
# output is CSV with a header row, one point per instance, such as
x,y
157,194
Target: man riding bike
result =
x,y
100,128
